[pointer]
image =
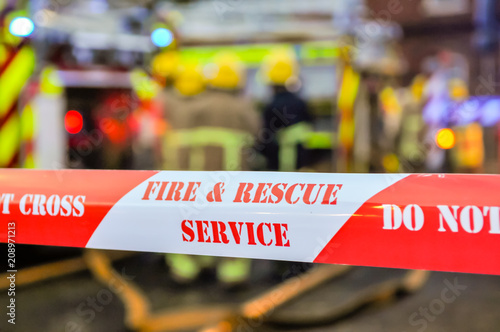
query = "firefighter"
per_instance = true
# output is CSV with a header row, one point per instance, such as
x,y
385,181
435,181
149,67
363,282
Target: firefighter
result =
x,y
180,105
441,96
226,115
411,149
215,126
286,116
376,110
180,99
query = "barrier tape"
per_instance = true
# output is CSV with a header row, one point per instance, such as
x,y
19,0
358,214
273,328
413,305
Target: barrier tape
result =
x,y
443,222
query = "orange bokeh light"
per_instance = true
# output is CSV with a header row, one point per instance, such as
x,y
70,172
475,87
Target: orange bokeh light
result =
x,y
73,122
445,138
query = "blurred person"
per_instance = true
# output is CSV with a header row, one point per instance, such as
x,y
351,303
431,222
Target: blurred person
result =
x,y
226,114
181,103
287,122
442,69
183,84
411,149
227,122
286,118
369,110
369,134
377,110
218,125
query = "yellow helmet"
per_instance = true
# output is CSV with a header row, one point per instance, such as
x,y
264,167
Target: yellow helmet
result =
x,y
280,67
189,80
165,64
226,71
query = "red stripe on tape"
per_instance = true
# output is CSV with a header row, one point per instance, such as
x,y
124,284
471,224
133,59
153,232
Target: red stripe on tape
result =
x,y
466,239
67,225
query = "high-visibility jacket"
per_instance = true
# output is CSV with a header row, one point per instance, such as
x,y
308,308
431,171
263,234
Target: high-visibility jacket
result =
x,y
216,127
178,116
211,130
289,139
284,111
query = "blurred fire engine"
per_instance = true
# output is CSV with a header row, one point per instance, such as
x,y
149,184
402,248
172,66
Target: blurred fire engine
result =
x,y
71,94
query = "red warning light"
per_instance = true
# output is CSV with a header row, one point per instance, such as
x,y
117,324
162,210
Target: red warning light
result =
x,y
73,122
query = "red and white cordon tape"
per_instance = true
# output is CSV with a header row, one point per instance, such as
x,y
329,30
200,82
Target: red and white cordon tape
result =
x,y
442,222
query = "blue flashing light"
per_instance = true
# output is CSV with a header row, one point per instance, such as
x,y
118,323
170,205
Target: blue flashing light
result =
x,y
21,27
162,37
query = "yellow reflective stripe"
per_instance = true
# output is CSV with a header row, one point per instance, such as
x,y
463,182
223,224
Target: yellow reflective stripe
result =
x,y
319,140
288,139
15,77
232,141
250,55
183,266
253,54
326,51
233,270
9,140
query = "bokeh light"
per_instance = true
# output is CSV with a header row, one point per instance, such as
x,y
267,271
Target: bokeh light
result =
x,y
21,27
162,37
73,122
445,138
